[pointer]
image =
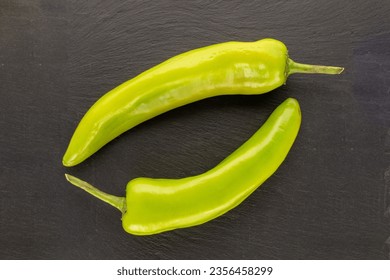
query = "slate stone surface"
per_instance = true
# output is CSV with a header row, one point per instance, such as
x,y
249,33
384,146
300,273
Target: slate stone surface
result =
x,y
329,200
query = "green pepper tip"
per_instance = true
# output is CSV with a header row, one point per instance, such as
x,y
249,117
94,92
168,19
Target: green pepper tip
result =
x,y
69,161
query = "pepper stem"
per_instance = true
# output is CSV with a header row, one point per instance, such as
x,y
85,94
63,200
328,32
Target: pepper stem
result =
x,y
295,67
116,201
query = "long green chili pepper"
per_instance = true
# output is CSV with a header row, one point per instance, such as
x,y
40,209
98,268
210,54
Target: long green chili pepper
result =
x,y
226,68
156,205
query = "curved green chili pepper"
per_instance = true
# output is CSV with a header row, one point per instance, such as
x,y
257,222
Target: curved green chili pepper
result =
x,y
156,205
226,68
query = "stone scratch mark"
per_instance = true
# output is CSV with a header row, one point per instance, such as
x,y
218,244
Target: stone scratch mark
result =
x,y
387,192
386,178
387,244
387,205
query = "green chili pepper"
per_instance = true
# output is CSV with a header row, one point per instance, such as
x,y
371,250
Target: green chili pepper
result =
x,y
226,68
156,205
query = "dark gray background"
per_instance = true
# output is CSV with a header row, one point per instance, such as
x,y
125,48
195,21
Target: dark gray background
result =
x,y
329,200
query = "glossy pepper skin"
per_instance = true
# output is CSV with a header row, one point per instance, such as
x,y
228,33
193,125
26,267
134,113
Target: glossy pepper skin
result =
x,y
221,69
156,205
